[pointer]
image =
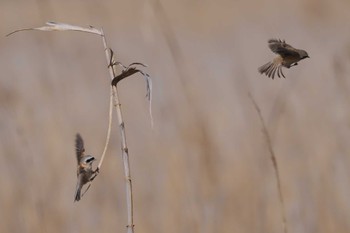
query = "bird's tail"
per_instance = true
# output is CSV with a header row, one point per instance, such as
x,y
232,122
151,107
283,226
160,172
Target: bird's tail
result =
x,y
270,69
77,193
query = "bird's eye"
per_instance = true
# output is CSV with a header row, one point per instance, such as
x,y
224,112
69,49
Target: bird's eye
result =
x,y
90,159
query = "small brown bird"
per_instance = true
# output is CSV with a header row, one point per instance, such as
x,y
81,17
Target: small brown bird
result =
x,y
85,173
287,57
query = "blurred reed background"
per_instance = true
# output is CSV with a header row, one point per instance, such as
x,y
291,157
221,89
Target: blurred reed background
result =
x,y
205,166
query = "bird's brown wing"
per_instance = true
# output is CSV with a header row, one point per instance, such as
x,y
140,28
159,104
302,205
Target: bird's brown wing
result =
x,y
79,147
282,48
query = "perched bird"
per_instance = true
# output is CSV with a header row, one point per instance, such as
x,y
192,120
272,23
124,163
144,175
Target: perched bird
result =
x,y
287,57
85,173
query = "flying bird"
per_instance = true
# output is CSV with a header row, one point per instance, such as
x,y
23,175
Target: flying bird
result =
x,y
85,173
287,57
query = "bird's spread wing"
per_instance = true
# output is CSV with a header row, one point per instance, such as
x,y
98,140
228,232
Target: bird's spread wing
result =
x,y
79,147
282,48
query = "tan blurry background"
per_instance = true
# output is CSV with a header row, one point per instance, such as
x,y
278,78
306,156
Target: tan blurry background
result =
x,y
205,166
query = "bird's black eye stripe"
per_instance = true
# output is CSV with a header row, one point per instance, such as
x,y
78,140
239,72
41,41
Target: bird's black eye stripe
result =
x,y
90,159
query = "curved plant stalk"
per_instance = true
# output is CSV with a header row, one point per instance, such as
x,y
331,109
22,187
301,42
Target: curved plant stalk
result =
x,y
125,150
274,163
108,130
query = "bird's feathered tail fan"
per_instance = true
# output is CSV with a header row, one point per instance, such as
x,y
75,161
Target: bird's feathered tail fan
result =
x,y
270,69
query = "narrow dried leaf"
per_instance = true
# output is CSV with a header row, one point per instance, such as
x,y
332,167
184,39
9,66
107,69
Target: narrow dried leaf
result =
x,y
138,63
128,71
53,26
125,73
